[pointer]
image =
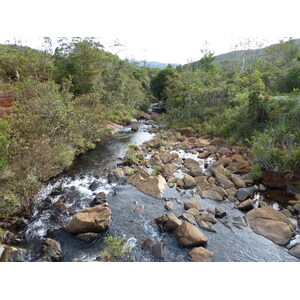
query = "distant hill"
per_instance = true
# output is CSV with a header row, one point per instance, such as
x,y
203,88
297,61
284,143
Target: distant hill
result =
x,y
236,57
156,64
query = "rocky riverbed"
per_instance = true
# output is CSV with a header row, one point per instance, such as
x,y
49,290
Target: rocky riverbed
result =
x,y
177,197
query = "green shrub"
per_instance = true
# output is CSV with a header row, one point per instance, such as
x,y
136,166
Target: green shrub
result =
x,y
116,249
256,171
4,138
157,170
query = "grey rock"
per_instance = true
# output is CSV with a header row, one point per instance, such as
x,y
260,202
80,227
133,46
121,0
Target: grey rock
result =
x,y
148,244
244,193
295,251
158,250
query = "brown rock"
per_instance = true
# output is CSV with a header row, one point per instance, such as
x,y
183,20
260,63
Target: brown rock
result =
x,y
193,211
168,169
150,185
168,222
246,205
280,179
271,224
51,251
195,171
189,181
87,237
189,235
222,179
94,219
134,127
191,203
12,254
186,130
158,250
210,194
168,205
174,155
201,254
238,182
189,163
212,149
188,217
239,167
180,182
204,155
148,244
203,143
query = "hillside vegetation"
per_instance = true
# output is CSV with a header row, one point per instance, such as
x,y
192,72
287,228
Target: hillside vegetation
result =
x,y
65,101
254,101
63,106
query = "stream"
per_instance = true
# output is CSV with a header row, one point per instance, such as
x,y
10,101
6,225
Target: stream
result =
x,y
133,212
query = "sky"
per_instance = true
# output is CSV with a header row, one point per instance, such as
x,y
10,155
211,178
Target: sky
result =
x,y
156,30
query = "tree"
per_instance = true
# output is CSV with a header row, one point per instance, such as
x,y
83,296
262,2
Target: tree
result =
x,y
158,83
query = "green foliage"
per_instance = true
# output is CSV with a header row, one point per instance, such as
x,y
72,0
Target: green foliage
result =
x,y
158,83
4,137
1,234
18,62
157,170
9,204
116,249
53,122
256,171
132,155
228,174
291,80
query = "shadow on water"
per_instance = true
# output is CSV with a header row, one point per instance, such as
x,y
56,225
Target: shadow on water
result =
x,y
229,243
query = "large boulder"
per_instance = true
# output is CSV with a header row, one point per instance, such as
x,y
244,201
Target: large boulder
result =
x,y
191,203
93,219
280,179
246,205
210,194
150,185
240,166
51,251
222,179
244,193
270,223
12,254
168,222
169,169
201,254
189,163
189,181
238,182
295,251
189,235
195,171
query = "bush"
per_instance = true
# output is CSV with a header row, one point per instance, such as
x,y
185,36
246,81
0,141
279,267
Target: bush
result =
x,y
116,249
4,138
157,170
256,171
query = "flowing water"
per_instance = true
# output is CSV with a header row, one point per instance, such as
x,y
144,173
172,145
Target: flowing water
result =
x,y
133,212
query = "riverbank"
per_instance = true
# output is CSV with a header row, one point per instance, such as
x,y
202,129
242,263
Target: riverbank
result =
x,y
213,169
176,190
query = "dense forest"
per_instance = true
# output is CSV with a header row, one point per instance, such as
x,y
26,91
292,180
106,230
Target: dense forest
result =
x,y
64,102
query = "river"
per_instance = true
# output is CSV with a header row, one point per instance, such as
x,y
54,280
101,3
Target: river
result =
x,y
88,176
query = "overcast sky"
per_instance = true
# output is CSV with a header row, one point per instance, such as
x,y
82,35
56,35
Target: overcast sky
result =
x,y
160,30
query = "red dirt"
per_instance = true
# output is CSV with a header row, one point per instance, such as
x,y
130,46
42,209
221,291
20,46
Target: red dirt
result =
x,y
6,103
